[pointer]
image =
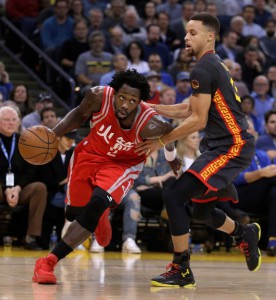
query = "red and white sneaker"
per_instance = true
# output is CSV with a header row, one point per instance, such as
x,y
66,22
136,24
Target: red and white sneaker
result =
x,y
44,270
103,231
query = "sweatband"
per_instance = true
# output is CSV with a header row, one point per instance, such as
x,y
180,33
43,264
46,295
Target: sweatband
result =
x,y
170,155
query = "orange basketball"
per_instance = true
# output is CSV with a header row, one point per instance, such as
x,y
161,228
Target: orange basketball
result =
x,y
38,145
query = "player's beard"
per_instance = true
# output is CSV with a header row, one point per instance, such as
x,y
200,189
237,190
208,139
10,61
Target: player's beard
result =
x,y
122,114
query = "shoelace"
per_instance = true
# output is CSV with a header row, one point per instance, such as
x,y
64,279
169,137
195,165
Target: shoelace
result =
x,y
47,266
174,268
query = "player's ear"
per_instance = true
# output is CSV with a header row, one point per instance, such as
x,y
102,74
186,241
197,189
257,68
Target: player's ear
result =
x,y
211,36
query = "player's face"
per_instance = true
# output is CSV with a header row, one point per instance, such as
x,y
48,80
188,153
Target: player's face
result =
x,y
126,101
196,38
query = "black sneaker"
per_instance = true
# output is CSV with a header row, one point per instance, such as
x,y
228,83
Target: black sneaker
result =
x,y
176,276
249,246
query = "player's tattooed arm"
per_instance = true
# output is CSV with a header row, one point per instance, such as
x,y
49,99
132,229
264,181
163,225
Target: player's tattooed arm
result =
x,y
155,128
90,104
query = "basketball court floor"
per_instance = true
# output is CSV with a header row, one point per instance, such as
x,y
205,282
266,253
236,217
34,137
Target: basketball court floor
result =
x,y
118,276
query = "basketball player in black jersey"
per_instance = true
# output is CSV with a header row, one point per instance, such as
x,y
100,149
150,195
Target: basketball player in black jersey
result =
x,y
227,148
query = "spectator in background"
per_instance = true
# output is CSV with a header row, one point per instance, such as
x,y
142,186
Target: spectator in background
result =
x,y
248,108
268,42
266,141
228,48
167,96
132,31
119,62
22,188
21,96
181,64
263,101
5,84
250,65
135,54
95,18
54,175
76,11
236,25
183,87
252,41
171,7
72,48
179,25
200,6
150,16
155,83
250,27
49,117
93,4
114,14
167,35
188,149
155,64
91,65
261,14
114,44
57,28
271,76
152,45
43,100
23,14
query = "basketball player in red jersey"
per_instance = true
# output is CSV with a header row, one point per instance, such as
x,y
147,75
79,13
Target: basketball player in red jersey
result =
x,y
104,165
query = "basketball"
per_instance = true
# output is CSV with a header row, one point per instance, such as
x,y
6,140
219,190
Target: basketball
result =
x,y
38,145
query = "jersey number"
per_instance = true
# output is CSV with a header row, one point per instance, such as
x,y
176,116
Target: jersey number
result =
x,y
236,93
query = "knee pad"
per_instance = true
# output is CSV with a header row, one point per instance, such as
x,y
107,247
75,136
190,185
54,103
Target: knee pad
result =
x,y
100,201
216,218
72,212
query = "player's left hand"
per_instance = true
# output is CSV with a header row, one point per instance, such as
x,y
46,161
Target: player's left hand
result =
x,y
175,165
147,147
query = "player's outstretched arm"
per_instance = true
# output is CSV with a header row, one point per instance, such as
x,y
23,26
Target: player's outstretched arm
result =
x,y
200,104
175,111
90,104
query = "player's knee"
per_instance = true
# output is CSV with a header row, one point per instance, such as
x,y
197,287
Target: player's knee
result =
x,y
201,214
99,202
72,212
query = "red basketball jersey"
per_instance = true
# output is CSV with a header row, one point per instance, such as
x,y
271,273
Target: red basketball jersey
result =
x,y
107,139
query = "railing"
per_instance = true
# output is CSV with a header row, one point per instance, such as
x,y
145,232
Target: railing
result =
x,y
49,63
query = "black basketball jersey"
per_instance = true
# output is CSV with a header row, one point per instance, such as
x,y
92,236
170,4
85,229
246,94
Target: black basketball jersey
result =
x,y
226,123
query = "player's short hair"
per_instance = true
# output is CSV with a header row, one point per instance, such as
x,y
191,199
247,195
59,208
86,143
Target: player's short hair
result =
x,y
133,79
208,21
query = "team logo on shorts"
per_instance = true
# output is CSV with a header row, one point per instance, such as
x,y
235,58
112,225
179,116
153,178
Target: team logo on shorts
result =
x,y
195,84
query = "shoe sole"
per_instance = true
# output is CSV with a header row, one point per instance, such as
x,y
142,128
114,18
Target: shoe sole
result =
x,y
260,254
44,279
159,284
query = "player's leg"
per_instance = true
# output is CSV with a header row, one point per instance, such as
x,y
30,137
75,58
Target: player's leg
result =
x,y
78,231
245,236
177,198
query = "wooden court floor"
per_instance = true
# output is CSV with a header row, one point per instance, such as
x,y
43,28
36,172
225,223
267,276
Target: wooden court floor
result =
x,y
118,276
